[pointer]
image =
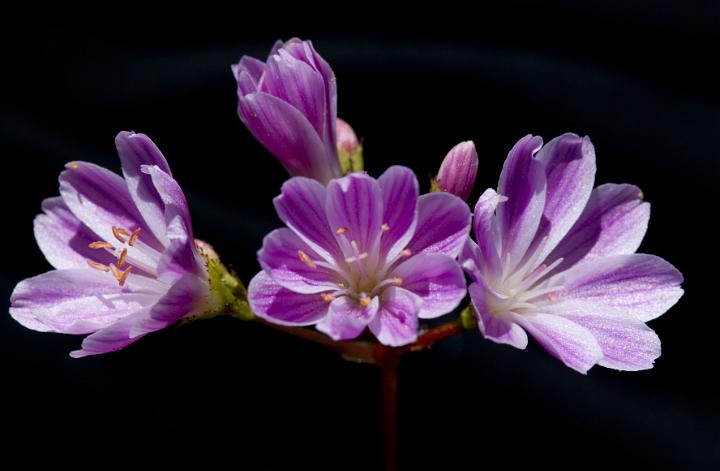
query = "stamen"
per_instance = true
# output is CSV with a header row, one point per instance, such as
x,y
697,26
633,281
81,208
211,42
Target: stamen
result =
x,y
385,227
122,258
365,299
120,276
118,232
97,266
397,281
326,297
101,245
303,256
341,230
134,237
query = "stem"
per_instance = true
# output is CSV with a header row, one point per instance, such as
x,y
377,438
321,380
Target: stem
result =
x,y
389,358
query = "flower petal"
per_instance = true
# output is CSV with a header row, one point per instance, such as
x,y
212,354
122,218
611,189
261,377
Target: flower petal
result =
x,y
492,328
640,285
301,206
248,72
75,301
111,338
486,232
354,204
279,305
399,188
569,162
614,222
291,263
63,239
627,343
397,321
437,279
347,318
443,225
100,199
571,343
136,150
523,182
288,135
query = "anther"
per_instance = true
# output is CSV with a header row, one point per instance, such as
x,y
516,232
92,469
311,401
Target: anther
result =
x,y
640,195
122,258
385,227
303,256
101,245
365,299
134,237
97,266
73,165
119,275
326,297
397,281
341,230
119,232
552,297
406,252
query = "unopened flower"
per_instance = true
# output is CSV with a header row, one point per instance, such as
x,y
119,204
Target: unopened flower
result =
x,y
556,259
125,260
350,151
458,171
362,253
289,103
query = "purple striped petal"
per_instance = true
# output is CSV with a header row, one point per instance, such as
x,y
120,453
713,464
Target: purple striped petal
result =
x,y
486,232
346,318
571,343
492,328
437,279
614,222
292,264
63,239
523,182
248,72
627,343
111,338
100,199
354,205
270,301
569,162
640,285
301,206
74,301
396,323
443,225
288,135
400,194
136,150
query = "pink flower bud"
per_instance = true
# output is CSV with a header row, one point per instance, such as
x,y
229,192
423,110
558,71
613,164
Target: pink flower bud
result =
x,y
458,170
346,138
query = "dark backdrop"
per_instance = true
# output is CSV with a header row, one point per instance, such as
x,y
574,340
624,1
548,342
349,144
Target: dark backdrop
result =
x,y
639,79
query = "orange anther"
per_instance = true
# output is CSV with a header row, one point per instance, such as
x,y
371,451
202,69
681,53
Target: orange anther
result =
x,y
101,245
326,297
97,266
122,258
303,256
406,252
123,276
134,237
341,230
385,227
119,232
397,281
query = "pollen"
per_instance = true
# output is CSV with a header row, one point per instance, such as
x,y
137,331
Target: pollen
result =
x,y
385,227
122,258
406,252
303,256
119,232
326,297
365,299
97,266
101,245
134,236
397,281
74,165
341,230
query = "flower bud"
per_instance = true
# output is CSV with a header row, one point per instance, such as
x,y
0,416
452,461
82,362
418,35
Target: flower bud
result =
x,y
458,171
350,151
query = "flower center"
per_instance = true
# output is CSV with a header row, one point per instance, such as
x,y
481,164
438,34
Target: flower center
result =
x,y
131,253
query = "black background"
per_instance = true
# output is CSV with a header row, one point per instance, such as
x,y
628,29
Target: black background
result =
x,y
223,394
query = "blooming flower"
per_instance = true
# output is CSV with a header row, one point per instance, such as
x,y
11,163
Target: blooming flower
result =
x,y
289,103
556,259
362,252
124,255
458,171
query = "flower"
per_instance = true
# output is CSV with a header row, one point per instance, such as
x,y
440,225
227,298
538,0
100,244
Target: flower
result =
x,y
349,148
458,171
556,259
125,259
289,104
362,252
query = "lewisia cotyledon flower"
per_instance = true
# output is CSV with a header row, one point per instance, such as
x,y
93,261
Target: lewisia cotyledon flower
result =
x,y
124,255
362,253
458,171
289,103
556,258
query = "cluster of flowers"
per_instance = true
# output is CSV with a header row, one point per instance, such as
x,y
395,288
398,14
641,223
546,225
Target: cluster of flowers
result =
x,y
552,256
